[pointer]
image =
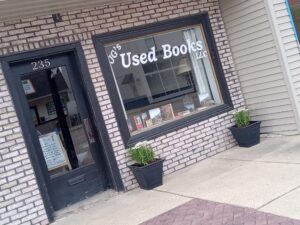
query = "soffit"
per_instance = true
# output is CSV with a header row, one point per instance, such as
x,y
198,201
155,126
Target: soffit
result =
x,y
17,9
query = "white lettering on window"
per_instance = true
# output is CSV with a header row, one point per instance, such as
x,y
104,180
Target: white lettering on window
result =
x,y
127,59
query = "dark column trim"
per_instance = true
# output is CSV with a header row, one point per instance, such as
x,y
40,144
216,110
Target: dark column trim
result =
x,y
115,176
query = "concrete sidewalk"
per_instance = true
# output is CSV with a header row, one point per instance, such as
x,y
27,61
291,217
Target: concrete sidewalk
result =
x,y
265,177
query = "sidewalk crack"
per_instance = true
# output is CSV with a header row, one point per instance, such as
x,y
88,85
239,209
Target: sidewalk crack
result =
x,y
260,161
278,197
173,193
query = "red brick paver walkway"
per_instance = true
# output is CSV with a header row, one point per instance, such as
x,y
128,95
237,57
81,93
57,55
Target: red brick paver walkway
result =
x,y
201,212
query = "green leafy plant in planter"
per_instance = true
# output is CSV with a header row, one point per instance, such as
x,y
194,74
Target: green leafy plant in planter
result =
x,y
148,170
245,131
143,155
242,118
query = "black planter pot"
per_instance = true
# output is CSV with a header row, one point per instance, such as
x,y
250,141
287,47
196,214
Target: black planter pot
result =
x,y
150,176
247,136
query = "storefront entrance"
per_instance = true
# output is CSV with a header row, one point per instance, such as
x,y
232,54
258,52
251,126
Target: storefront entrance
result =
x,y
59,127
62,127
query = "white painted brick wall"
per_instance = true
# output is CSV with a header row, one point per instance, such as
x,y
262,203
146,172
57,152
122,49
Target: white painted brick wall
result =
x,y
19,195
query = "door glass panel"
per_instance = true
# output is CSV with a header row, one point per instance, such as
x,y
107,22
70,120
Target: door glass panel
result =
x,y
64,134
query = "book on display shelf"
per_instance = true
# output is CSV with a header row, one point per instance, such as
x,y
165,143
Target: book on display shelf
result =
x,y
138,122
167,112
155,115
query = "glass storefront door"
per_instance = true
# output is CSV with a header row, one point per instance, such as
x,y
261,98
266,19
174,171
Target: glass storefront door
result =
x,y
62,128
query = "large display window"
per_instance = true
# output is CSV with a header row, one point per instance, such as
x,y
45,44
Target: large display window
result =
x,y
164,76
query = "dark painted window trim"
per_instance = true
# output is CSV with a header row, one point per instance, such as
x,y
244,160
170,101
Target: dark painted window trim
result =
x,y
101,40
110,161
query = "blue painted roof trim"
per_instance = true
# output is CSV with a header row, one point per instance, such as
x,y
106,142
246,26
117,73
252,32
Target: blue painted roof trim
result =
x,y
292,19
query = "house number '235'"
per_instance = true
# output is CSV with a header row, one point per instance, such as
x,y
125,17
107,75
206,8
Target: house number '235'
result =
x,y
41,64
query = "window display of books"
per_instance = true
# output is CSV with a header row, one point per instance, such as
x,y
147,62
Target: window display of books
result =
x,y
150,118
160,114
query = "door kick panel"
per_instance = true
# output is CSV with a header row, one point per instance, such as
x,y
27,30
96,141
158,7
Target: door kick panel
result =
x,y
76,180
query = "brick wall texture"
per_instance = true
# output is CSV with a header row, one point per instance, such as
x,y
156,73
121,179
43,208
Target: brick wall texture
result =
x,y
20,200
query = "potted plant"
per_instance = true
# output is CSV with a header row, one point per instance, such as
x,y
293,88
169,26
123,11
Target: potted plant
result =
x,y
245,131
148,169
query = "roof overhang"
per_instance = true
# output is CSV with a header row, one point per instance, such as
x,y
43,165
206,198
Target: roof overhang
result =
x,y
18,9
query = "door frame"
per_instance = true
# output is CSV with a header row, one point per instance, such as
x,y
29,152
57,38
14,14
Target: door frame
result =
x,y
113,173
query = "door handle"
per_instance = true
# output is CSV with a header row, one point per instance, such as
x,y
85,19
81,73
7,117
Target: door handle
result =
x,y
88,130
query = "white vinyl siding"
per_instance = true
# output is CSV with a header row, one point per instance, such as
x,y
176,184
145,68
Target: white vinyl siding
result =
x,y
289,42
258,64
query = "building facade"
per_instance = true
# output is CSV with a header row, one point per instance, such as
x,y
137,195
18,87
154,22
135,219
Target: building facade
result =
x,y
79,88
266,55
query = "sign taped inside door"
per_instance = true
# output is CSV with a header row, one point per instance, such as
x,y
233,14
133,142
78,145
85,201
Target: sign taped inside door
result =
x,y
53,151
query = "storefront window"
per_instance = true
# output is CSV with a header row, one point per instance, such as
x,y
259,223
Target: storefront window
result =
x,y
164,77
